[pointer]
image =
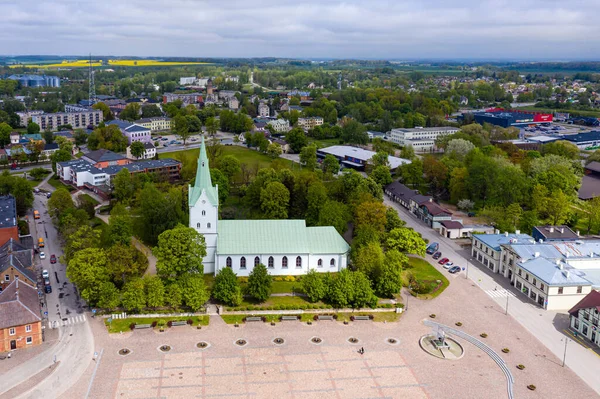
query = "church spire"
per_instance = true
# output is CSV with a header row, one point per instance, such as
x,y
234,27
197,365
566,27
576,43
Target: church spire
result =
x,y
203,182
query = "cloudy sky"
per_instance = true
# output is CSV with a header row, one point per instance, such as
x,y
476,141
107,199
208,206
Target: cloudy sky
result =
x,y
384,29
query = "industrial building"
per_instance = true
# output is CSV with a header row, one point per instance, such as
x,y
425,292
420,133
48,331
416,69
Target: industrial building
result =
x,y
422,139
356,158
36,80
508,118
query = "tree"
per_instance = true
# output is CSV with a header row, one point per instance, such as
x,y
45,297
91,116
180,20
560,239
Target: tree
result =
x,y
83,237
371,214
308,157
21,190
354,132
60,156
131,112
259,283
137,149
556,173
274,150
561,148
227,289
181,127
412,173
155,291
230,166
119,229
393,221
313,286
274,200
380,159
406,240
459,148
340,289
194,123
336,214
59,202
123,188
389,277
106,112
151,111
193,291
558,207
212,126
33,128
109,296
157,213
133,296
331,165
296,139
218,177
87,270
174,295
125,262
316,197
369,259
5,131
179,251
87,204
513,214
382,175
407,152
363,293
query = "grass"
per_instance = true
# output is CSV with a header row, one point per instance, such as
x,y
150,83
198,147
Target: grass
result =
x,y
341,317
423,270
55,182
325,142
239,318
278,300
122,325
89,198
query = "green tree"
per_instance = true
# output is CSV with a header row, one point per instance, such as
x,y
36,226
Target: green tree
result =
x,y
331,165
371,214
459,148
274,201
363,294
131,112
5,131
354,132
227,289
106,112
561,148
137,149
155,291
151,111
212,126
556,173
84,237
336,214
406,240
308,157
558,207
274,150
407,152
219,178
340,289
123,188
33,128
125,262
380,159
382,175
181,127
513,214
230,166
133,296
296,139
369,259
157,213
313,286
317,197
528,221
60,156
120,228
21,190
59,202
174,295
87,270
179,252
389,277
259,283
194,123
109,296
193,291
393,221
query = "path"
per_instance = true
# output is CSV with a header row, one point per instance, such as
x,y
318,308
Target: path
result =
x,y
44,183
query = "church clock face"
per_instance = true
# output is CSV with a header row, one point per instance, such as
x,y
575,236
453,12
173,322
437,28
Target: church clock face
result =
x,y
204,202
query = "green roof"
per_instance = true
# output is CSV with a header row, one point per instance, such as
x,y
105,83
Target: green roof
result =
x,y
203,181
256,237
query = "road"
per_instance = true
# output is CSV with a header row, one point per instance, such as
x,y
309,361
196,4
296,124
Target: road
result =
x,y
548,326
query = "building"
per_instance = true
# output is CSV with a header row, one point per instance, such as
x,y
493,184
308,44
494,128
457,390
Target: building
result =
x,y
20,317
356,158
77,108
590,183
286,247
310,122
36,80
186,99
105,158
407,197
77,120
186,81
156,124
585,141
50,149
8,219
25,116
149,151
505,118
169,168
554,233
133,131
233,103
422,139
486,248
304,95
279,125
285,147
376,135
585,317
79,173
263,110
16,262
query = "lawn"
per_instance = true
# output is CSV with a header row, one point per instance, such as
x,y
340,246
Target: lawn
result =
x,y
89,198
325,142
122,325
424,271
341,317
278,301
239,318
55,182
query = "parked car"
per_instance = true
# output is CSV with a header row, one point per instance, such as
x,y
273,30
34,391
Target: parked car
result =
x,y
432,248
454,269
46,280
48,289
448,265
45,274
437,255
53,258
48,195
164,139
42,255
443,261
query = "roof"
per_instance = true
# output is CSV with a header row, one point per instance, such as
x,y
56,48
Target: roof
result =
x,y
583,137
593,166
8,211
256,237
33,137
401,191
121,124
495,240
590,187
148,145
428,129
140,166
13,254
50,146
543,139
103,156
591,300
136,128
203,182
19,305
551,273
434,209
452,224
528,250
343,151
556,232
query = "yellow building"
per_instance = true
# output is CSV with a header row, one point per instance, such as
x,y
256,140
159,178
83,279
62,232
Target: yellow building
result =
x,y
158,124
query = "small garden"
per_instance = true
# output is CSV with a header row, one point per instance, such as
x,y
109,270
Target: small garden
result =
x,y
123,325
423,279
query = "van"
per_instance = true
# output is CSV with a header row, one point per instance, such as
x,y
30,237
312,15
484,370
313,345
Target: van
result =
x,y
41,242
36,215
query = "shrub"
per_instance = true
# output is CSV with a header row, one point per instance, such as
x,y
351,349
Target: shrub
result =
x,y
154,323
371,317
531,387
190,322
483,335
458,323
521,367
170,323
291,279
432,315
251,308
132,326
161,323
505,350
264,319
315,317
351,318
335,317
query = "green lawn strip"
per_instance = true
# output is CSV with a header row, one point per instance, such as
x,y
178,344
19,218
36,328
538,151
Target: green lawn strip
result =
x,y
90,198
345,316
277,301
239,318
56,183
423,270
122,325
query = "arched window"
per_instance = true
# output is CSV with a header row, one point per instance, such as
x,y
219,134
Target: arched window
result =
x,y
271,262
197,225
320,263
256,261
208,226
284,262
332,262
228,261
298,261
203,213
243,263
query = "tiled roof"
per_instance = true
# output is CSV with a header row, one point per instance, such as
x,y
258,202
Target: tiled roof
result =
x,y
103,155
593,166
591,300
19,305
141,165
452,224
590,187
8,211
13,254
434,209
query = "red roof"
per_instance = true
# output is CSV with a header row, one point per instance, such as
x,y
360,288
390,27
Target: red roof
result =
x,y
452,224
435,209
591,300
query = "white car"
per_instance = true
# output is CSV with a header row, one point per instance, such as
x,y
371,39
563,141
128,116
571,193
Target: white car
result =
x,y
42,255
448,265
45,274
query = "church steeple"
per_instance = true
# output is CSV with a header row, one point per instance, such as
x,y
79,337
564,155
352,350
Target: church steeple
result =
x,y
203,182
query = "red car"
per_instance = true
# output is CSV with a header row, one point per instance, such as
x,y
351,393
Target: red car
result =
x,y
53,259
443,261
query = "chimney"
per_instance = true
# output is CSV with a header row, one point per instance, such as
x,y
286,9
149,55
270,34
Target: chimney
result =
x,y
560,266
557,262
517,231
562,230
541,241
551,230
577,232
566,273
506,234
536,255
496,231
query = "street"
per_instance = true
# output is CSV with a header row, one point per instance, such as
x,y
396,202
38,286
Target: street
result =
x,y
547,326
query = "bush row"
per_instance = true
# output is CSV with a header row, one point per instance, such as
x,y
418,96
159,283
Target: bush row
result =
x,y
295,307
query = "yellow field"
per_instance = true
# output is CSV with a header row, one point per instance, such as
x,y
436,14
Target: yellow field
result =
x,y
126,63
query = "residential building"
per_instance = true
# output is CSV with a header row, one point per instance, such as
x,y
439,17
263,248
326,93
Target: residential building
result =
x,y
169,168
49,149
376,135
279,125
186,98
79,173
263,110
486,248
133,131
77,120
420,138
25,116
77,108
585,317
8,219
156,124
186,81
554,233
16,262
227,94
433,214
304,95
36,80
20,317
34,137
105,158
233,103
285,147
356,158
286,247
15,138
149,151
310,122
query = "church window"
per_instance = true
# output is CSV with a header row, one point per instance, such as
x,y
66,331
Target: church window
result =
x,y
332,262
271,262
208,226
203,213
202,163
298,261
228,261
256,261
243,263
197,225
284,263
320,263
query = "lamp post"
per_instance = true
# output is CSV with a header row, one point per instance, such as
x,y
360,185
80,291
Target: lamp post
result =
x,y
506,310
565,353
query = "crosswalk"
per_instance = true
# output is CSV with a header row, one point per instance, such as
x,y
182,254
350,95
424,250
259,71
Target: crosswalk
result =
x,y
68,321
501,293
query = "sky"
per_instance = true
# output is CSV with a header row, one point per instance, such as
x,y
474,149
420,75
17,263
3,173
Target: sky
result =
x,y
368,29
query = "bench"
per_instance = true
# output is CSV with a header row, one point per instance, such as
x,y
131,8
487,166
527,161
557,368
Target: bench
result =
x,y
139,326
356,318
178,323
325,317
253,318
289,318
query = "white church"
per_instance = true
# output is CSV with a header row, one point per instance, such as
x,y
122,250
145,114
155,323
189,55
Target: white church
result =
x,y
285,247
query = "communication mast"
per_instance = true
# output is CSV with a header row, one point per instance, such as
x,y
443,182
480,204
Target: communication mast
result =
x,y
92,90
339,82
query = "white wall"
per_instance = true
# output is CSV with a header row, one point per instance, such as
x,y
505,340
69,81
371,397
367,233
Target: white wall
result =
x,y
200,222
308,262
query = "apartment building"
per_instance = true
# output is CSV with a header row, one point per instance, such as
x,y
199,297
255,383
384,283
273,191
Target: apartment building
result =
x,y
585,317
279,125
77,120
25,116
149,151
133,131
20,317
310,122
263,110
422,139
186,81
156,124
186,98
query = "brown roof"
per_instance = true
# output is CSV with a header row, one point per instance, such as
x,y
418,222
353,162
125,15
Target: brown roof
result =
x,y
452,224
435,209
591,300
19,305
590,187
593,166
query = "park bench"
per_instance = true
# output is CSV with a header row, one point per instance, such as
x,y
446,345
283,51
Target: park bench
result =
x,y
289,318
253,318
178,323
356,318
325,317
138,326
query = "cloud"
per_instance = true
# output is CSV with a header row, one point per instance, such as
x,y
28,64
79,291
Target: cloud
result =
x,y
400,29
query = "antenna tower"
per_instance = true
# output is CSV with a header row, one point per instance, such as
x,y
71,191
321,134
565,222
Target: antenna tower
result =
x,y
92,90
339,82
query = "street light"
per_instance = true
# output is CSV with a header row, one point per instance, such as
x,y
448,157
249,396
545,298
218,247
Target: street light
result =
x,y
506,310
565,354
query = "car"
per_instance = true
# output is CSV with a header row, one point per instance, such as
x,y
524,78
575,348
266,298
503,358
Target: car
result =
x,y
437,255
48,195
48,289
443,261
432,248
52,258
165,139
46,280
45,274
454,269
42,255
448,265
193,139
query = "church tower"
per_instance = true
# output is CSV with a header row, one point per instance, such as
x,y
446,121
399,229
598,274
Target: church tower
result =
x,y
204,209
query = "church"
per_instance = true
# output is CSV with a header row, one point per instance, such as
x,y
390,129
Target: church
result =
x,y
285,247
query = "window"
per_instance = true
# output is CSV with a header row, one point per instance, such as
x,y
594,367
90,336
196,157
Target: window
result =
x,y
11,331
320,263
6,277
256,261
203,213
526,276
284,262
534,281
29,340
271,262
332,262
197,225
228,261
560,290
28,328
208,226
243,263
584,329
519,272
579,289
542,286
298,261
518,285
